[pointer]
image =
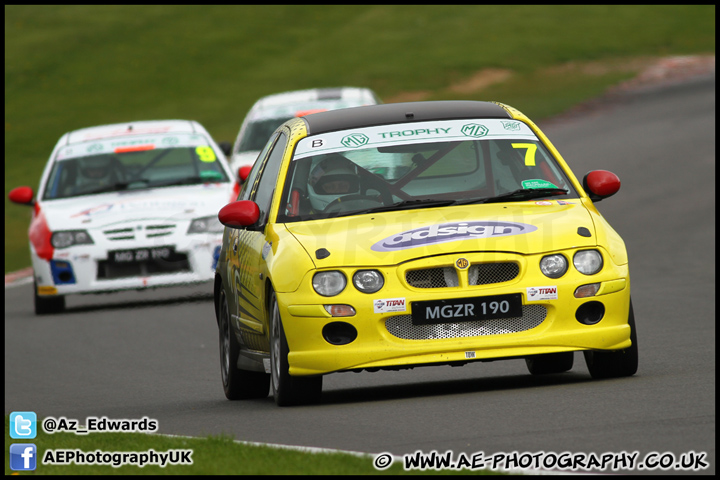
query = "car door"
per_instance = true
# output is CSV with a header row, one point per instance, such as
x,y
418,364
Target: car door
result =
x,y
250,246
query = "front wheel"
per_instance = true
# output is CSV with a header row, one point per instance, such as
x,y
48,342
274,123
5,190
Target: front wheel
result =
x,y
238,384
549,363
287,390
621,363
45,305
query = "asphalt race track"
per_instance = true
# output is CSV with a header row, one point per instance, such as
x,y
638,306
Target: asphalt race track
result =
x,y
155,354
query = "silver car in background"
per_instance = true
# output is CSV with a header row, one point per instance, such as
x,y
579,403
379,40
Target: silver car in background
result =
x,y
271,111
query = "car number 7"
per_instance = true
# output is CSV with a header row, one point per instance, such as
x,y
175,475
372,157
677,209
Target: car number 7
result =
x,y
529,154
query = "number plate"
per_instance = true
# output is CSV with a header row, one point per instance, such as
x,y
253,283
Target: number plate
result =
x,y
141,255
466,309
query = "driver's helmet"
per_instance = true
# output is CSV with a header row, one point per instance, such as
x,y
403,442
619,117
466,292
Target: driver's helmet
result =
x,y
95,168
333,177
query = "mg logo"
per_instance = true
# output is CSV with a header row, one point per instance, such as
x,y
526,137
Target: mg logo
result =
x,y
355,140
462,263
474,130
95,147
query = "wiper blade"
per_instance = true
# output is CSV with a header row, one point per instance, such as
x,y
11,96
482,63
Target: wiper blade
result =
x,y
519,194
181,181
115,187
404,205
410,204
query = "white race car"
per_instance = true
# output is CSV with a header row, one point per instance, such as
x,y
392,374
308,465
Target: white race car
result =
x,y
271,111
127,206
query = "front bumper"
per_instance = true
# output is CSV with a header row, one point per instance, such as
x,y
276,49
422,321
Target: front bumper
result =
x,y
86,268
387,340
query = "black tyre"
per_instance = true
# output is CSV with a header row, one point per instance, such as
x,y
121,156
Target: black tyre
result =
x,y
550,363
238,384
47,305
287,390
620,363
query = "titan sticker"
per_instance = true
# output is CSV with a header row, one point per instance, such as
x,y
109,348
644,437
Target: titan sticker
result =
x,y
451,232
388,305
536,294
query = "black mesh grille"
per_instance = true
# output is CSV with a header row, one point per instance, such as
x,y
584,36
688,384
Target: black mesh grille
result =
x,y
486,273
432,278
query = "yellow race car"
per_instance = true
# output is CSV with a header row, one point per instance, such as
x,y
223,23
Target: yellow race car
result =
x,y
426,233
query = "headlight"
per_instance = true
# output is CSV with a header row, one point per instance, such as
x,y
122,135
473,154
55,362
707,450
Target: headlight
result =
x,y
588,262
553,266
368,281
329,284
69,238
209,224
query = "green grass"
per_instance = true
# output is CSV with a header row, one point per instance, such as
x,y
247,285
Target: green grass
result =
x,y
69,67
214,455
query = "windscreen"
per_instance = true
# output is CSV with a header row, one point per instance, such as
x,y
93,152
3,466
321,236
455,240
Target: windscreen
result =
x,y
132,164
419,164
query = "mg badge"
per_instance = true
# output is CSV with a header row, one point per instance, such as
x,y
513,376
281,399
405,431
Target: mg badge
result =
x,y
462,263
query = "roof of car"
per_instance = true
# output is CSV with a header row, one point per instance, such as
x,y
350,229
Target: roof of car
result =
x,y
409,112
280,105
133,128
311,94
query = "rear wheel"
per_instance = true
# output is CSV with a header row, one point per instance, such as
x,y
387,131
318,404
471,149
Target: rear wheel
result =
x,y
238,384
45,305
620,363
550,363
287,390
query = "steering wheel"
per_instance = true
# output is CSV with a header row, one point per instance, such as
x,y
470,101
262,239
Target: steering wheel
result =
x,y
337,204
371,182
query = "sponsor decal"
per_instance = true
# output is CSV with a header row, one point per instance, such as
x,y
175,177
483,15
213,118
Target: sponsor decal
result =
x,y
450,232
416,132
90,211
402,134
149,142
134,148
387,305
147,204
474,130
266,249
537,183
535,294
355,140
302,113
543,202
512,126
565,202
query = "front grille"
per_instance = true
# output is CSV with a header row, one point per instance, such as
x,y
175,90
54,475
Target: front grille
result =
x,y
486,273
401,326
441,277
478,274
120,234
133,233
110,270
158,230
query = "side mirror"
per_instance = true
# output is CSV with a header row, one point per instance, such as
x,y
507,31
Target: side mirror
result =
x,y
240,214
22,196
226,148
244,172
601,184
